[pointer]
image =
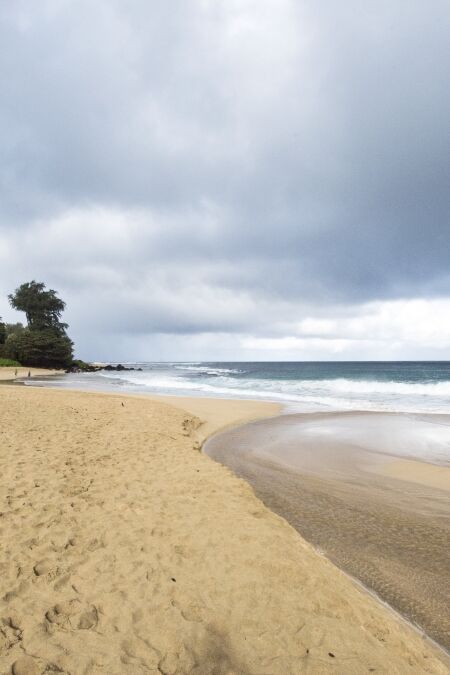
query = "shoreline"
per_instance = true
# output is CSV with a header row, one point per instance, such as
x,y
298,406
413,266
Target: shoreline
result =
x,y
272,541
367,518
404,468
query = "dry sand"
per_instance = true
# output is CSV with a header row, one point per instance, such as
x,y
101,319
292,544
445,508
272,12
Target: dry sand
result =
x,y
125,550
21,372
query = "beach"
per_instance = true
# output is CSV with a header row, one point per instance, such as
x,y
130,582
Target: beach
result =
x,y
124,549
10,373
383,519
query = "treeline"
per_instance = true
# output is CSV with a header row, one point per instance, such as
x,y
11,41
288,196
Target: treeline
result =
x,y
43,342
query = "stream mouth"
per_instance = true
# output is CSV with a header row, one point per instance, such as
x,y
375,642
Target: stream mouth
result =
x,y
321,473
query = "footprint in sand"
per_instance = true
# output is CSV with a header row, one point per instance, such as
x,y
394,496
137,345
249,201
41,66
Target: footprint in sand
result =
x,y
26,666
43,567
72,615
8,638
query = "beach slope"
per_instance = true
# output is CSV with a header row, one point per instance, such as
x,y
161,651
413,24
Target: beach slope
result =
x,y
125,550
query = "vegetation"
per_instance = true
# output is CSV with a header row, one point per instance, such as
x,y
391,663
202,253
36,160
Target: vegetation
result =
x,y
82,366
9,362
13,328
42,349
7,329
44,342
42,308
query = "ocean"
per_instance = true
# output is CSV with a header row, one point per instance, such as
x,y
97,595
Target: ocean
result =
x,y
419,386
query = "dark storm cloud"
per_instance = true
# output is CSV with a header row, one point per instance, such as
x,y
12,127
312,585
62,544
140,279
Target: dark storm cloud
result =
x,y
221,166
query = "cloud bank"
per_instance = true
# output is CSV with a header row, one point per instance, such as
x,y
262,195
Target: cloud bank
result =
x,y
226,180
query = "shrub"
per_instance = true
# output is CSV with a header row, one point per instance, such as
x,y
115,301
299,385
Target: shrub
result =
x,y
43,348
4,363
78,364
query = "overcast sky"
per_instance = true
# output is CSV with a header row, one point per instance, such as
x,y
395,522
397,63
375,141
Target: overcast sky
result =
x,y
230,179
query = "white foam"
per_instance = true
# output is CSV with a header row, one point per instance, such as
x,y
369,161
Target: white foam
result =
x,y
305,395
300,395
209,370
381,387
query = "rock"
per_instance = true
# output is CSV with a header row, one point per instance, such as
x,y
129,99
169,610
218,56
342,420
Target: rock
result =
x,y
118,368
26,666
81,367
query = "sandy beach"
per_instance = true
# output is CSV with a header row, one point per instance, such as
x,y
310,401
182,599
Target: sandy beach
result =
x,y
124,549
20,373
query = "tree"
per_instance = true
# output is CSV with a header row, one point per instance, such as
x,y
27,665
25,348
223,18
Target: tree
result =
x,y
44,342
39,348
13,328
7,329
42,308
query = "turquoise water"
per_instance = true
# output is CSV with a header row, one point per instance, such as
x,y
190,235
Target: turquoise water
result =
x,y
302,386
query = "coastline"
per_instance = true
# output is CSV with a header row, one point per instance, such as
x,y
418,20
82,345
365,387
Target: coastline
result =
x,y
136,552
383,520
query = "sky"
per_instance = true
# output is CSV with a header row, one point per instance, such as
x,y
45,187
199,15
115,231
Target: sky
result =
x,y
230,179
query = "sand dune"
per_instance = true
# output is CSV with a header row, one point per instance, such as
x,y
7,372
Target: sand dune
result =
x,y
124,550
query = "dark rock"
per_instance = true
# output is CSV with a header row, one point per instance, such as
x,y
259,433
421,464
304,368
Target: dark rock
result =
x,y
119,367
82,367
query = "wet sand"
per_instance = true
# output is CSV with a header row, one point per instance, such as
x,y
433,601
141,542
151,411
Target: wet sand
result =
x,y
382,519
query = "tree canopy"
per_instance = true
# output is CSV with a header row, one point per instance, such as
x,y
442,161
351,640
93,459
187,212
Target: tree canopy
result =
x,y
44,342
42,307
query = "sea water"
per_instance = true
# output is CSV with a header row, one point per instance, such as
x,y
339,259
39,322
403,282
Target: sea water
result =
x,y
301,386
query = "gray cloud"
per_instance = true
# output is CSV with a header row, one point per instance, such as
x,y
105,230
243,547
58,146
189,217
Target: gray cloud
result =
x,y
223,168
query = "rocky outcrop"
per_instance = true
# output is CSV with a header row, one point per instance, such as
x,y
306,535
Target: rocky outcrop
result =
x,y
83,367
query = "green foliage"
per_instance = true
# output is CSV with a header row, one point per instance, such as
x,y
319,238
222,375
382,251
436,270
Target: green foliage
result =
x,y
44,343
9,329
81,365
13,328
2,332
42,307
4,363
39,348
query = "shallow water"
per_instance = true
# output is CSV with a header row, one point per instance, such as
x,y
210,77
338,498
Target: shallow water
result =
x,y
417,437
392,535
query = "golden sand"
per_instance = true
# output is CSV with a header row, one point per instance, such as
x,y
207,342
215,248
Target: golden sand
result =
x,y
125,550
22,372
